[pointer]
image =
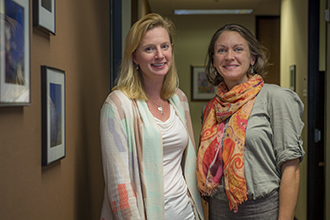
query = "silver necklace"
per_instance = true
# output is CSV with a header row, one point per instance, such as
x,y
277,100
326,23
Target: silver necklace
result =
x,y
159,106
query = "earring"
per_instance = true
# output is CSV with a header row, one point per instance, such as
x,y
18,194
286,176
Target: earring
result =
x,y
137,67
252,70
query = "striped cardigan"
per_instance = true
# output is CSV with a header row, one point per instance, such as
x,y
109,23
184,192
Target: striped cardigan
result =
x,y
132,156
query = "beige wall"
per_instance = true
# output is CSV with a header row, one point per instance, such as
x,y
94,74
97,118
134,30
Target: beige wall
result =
x,y
72,188
294,42
143,8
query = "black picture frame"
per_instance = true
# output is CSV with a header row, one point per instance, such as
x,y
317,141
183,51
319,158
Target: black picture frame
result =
x,y
44,15
201,89
293,77
53,114
15,53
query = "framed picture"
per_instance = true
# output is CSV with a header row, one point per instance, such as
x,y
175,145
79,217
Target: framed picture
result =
x,y
44,15
14,53
201,89
293,77
53,114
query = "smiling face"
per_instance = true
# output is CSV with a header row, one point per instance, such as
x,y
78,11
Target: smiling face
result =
x,y
232,58
154,54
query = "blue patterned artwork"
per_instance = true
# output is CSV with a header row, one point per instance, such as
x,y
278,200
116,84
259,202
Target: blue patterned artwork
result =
x,y
14,43
55,92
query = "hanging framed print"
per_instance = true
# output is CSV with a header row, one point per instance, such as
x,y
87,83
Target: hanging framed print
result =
x,y
53,114
201,89
14,53
293,77
44,15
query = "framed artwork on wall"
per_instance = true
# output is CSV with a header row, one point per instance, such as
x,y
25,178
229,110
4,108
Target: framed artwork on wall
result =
x,y
293,77
201,89
14,53
53,114
44,15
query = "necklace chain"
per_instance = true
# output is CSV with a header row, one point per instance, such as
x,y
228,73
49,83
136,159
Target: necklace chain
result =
x,y
159,106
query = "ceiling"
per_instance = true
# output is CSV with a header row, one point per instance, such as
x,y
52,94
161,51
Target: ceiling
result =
x,y
260,7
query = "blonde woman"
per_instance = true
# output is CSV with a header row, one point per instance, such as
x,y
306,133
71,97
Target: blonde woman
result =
x,y
148,148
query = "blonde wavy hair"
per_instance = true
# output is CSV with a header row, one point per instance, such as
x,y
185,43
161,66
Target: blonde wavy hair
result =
x,y
130,80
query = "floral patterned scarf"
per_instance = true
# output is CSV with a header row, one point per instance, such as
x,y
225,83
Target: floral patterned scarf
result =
x,y
221,149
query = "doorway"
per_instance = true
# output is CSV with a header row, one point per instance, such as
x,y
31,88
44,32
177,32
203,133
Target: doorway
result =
x,y
268,33
316,117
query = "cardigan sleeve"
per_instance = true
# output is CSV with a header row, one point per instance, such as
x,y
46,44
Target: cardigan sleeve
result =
x,y
119,193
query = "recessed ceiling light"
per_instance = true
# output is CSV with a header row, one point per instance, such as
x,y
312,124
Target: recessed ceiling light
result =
x,y
212,11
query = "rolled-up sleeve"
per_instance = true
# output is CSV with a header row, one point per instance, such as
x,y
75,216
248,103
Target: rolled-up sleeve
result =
x,y
286,119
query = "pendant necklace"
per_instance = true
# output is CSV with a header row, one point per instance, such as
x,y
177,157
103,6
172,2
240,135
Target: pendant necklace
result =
x,y
159,106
